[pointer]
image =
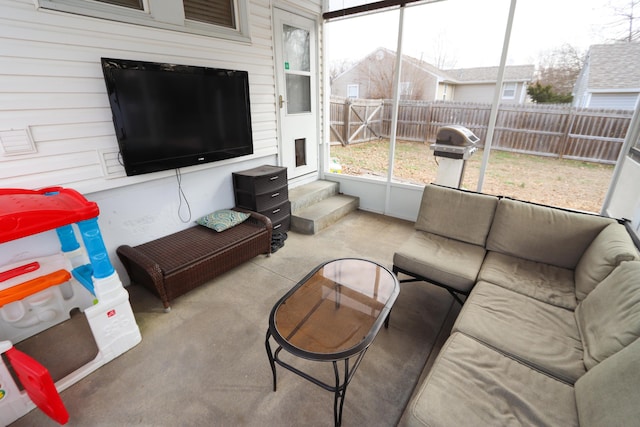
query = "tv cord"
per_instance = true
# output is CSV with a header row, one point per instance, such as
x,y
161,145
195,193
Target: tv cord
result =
x,y
181,196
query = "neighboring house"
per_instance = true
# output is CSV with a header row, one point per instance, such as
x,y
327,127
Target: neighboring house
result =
x,y
478,84
610,77
372,77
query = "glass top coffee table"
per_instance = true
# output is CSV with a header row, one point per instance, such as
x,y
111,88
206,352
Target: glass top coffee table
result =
x,y
332,315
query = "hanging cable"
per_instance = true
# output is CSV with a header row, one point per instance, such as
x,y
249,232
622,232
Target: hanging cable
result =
x,y
182,197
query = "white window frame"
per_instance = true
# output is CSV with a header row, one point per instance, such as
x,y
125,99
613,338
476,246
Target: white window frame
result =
x,y
405,89
167,14
353,88
509,87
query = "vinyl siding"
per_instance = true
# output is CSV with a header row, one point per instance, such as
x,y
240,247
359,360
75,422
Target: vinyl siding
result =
x,y
614,101
56,128
52,89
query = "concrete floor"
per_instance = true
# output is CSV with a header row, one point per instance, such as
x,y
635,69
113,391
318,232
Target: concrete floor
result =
x,y
204,363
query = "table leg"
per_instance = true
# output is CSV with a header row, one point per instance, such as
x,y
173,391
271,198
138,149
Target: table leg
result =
x,y
271,359
339,392
339,389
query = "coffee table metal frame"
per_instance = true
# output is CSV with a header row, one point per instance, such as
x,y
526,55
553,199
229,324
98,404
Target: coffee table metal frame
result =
x,y
355,353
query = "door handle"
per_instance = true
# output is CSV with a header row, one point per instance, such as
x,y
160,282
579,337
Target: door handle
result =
x,y
281,101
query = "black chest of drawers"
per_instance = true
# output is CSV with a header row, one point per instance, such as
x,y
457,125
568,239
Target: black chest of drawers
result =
x,y
265,190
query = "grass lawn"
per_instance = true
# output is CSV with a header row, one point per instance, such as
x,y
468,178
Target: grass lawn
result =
x,y
566,183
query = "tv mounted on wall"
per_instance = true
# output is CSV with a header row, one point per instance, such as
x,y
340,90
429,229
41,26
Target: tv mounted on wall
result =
x,y
169,116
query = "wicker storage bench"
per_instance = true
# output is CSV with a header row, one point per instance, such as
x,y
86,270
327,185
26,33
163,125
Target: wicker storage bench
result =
x,y
175,264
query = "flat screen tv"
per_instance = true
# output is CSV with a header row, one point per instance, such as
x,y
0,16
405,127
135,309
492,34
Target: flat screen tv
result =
x,y
169,116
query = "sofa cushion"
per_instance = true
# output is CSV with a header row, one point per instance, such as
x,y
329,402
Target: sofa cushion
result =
x,y
612,246
609,317
544,282
457,214
608,394
471,384
543,234
540,335
447,261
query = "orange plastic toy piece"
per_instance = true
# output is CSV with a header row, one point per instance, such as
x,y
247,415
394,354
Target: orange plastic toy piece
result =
x,y
33,286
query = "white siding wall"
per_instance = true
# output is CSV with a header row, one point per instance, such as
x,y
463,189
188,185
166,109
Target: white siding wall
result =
x,y
615,101
483,92
52,94
474,92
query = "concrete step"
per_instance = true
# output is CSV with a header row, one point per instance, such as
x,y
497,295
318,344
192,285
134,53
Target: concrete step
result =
x,y
323,213
308,194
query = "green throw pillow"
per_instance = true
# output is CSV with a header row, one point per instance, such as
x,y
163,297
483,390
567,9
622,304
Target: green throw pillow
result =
x,y
223,219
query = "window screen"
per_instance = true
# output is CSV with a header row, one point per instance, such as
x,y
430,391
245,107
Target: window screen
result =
x,y
133,4
217,12
509,90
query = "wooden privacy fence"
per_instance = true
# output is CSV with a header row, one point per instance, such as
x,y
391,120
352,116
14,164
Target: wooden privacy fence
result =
x,y
550,130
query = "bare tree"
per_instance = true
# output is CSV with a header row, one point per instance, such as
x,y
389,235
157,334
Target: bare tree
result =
x,y
377,74
626,20
338,67
441,53
559,68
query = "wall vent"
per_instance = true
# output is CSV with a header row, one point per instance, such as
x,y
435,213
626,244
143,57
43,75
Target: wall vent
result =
x,y
111,164
16,142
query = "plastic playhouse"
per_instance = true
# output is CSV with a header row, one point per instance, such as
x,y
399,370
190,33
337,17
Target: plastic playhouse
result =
x,y
39,293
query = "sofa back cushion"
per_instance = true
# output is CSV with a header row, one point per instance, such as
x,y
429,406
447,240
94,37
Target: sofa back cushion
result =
x,y
543,234
609,317
456,214
608,395
612,246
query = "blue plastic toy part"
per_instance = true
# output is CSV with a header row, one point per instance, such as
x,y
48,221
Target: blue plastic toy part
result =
x,y
67,238
83,275
94,245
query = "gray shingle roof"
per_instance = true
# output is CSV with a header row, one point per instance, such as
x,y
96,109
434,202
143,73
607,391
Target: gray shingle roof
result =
x,y
614,66
490,74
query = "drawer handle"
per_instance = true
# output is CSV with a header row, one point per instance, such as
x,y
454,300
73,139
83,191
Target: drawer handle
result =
x,y
273,178
275,195
277,226
276,211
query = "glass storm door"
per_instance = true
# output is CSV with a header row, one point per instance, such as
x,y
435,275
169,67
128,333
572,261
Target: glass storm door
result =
x,y
296,91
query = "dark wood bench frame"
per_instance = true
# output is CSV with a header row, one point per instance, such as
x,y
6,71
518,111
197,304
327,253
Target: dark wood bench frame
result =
x,y
175,264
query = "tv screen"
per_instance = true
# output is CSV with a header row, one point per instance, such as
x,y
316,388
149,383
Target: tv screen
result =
x,y
169,116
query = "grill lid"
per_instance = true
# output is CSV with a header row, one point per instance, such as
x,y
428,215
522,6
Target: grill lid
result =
x,y
456,135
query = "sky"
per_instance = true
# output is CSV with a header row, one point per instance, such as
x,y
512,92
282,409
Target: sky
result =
x,y
470,33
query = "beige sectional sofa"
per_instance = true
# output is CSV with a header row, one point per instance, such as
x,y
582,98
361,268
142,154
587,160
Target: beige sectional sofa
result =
x,y
548,333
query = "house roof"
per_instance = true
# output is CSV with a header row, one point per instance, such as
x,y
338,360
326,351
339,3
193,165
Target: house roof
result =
x,y
424,66
520,73
614,66
490,74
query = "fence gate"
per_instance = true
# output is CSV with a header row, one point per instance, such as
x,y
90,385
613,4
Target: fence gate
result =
x,y
356,120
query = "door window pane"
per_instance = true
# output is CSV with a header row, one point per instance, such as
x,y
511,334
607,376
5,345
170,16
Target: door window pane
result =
x,y
296,48
298,94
